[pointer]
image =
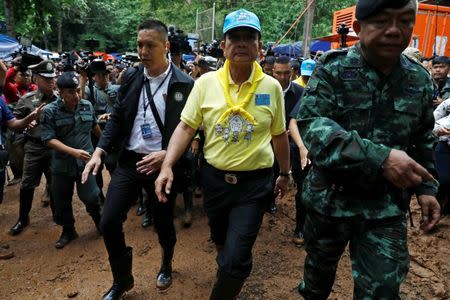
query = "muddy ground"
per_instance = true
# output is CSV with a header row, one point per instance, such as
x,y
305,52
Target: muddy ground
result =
x,y
81,270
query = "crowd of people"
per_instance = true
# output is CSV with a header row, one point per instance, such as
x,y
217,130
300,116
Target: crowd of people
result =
x,y
354,130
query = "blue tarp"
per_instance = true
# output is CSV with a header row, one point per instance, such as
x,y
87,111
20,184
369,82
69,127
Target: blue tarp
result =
x,y
296,49
9,45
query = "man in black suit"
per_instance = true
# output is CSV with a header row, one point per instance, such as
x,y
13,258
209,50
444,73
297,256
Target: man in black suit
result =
x,y
148,109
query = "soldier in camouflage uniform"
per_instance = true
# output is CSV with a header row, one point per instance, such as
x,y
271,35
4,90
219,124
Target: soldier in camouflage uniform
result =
x,y
37,155
67,124
366,119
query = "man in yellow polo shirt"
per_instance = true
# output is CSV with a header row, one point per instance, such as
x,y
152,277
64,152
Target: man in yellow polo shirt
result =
x,y
306,70
242,110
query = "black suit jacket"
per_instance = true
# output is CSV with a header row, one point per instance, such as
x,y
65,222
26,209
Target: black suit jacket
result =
x,y
292,100
118,128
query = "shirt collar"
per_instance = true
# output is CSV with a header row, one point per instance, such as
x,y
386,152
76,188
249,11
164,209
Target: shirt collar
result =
x,y
249,79
160,76
289,86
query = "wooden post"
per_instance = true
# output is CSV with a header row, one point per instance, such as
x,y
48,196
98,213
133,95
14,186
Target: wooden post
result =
x,y
307,28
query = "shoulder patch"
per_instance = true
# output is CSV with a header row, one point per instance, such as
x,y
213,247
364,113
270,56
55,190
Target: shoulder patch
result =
x,y
415,63
332,54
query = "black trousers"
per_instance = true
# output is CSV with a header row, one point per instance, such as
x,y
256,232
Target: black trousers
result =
x,y
122,193
235,213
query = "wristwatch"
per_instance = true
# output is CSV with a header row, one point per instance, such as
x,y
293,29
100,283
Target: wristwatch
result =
x,y
283,174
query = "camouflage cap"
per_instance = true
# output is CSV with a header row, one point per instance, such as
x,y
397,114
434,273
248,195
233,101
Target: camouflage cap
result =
x,y
68,80
369,8
45,68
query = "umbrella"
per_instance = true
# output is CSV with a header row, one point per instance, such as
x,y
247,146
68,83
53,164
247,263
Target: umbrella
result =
x,y
336,38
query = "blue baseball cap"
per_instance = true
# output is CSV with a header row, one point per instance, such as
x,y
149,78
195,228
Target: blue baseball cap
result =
x,y
307,67
241,18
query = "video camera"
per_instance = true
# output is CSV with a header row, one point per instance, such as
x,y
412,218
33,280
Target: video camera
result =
x,y
25,59
178,41
212,49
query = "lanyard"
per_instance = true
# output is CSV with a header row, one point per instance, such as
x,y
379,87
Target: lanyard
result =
x,y
149,93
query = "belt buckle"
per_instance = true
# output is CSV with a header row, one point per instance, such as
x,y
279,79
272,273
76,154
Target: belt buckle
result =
x,y
230,178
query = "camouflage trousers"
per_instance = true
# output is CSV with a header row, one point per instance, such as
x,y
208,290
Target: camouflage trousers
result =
x,y
378,252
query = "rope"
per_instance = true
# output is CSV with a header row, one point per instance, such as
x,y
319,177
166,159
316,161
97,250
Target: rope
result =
x,y
293,24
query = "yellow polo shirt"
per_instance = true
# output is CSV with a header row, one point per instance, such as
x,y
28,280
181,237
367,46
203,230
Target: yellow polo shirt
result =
x,y
300,81
236,145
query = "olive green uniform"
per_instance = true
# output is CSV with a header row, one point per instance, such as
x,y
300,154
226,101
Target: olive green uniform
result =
x,y
72,128
37,156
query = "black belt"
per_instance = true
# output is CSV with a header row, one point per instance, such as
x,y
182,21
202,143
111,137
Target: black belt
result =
x,y
233,177
34,140
131,155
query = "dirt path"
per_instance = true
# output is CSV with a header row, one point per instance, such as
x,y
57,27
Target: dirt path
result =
x,y
81,270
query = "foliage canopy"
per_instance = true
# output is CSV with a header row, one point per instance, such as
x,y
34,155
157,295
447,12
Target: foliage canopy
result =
x,y
113,22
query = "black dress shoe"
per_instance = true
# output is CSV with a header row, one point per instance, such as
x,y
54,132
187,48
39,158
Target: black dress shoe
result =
x,y
19,227
164,278
66,238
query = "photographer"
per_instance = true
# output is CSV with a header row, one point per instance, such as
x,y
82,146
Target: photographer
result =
x,y
200,67
17,82
178,45
103,95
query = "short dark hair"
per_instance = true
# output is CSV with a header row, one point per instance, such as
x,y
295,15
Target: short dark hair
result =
x,y
440,60
155,25
282,60
269,60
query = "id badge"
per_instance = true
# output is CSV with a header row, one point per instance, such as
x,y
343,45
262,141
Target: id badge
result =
x,y
146,131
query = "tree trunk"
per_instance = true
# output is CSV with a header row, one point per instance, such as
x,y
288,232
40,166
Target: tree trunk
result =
x,y
10,19
60,36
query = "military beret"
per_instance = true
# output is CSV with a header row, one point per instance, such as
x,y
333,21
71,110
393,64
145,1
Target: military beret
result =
x,y
68,80
45,68
369,8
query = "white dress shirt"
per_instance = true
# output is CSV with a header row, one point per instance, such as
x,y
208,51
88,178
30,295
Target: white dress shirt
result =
x,y
136,142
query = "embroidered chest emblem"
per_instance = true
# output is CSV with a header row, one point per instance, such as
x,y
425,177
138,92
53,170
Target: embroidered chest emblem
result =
x,y
235,127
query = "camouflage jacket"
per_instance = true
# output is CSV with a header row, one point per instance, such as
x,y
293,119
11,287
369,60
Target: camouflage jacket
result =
x,y
350,118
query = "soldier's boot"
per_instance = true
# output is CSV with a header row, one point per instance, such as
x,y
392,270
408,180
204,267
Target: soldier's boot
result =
x,y
164,277
226,287
122,276
187,216
25,202
68,235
